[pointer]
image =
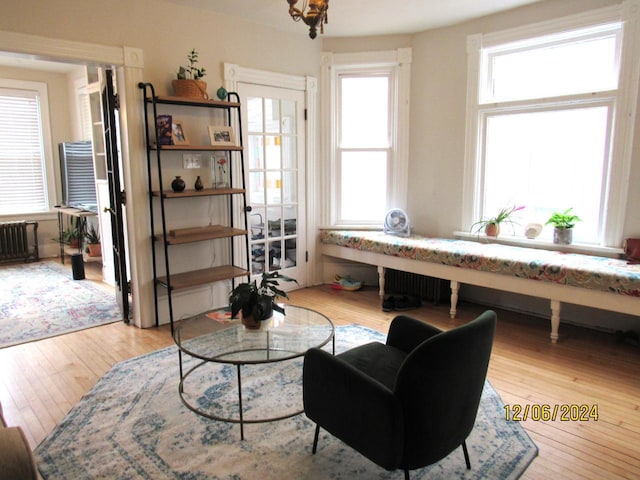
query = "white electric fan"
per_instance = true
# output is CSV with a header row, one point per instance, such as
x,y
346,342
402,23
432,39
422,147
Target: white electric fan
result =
x,y
396,222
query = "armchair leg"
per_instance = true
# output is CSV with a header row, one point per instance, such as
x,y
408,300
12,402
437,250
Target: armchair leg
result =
x,y
406,475
315,439
466,455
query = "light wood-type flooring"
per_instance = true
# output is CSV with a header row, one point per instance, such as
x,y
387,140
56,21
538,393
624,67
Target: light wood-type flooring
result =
x,y
41,381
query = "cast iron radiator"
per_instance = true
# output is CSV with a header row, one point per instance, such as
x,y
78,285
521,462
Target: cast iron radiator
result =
x,y
14,241
421,286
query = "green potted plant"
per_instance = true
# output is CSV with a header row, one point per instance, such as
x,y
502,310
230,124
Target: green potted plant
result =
x,y
258,301
188,82
94,247
72,236
491,226
563,223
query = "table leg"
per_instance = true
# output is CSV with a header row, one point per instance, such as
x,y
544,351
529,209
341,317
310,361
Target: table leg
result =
x,y
240,403
455,288
381,282
555,320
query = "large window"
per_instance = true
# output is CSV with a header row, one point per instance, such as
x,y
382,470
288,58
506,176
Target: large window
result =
x,y
548,125
23,166
367,141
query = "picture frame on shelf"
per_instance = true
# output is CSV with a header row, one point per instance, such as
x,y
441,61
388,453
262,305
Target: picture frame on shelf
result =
x,y
178,134
164,134
221,135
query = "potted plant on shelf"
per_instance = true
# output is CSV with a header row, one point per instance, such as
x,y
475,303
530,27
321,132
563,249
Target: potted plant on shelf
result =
x,y
188,82
491,226
563,223
72,236
257,302
94,247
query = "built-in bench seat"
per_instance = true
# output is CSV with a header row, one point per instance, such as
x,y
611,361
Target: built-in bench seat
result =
x,y
599,282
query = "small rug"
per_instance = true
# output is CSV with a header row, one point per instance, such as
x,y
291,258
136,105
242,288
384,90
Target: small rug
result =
x,y
41,300
133,425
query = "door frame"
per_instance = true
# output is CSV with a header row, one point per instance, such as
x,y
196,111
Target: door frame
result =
x,y
129,63
234,74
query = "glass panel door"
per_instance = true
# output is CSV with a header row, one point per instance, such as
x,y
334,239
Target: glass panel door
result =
x,y
275,171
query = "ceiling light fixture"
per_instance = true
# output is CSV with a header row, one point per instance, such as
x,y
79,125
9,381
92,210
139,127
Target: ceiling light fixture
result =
x,y
317,14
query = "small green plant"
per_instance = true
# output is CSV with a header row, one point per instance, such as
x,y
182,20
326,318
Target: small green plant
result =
x,y
192,71
503,216
564,219
92,236
258,301
71,234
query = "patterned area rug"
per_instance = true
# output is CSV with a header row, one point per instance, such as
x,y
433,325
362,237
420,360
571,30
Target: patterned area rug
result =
x,y
133,425
41,300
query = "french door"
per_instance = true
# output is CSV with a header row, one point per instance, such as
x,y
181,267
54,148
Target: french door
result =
x,y
273,136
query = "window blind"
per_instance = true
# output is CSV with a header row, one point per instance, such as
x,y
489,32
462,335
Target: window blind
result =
x,y
22,176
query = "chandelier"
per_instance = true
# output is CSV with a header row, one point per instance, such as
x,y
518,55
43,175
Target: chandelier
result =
x,y
317,14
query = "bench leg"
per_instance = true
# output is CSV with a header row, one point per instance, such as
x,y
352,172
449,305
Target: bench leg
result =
x,y
555,320
381,282
455,288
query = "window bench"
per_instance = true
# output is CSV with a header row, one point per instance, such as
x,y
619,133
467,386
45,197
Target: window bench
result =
x,y
598,282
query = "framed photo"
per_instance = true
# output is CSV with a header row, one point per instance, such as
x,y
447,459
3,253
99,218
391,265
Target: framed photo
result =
x,y
178,134
163,130
221,135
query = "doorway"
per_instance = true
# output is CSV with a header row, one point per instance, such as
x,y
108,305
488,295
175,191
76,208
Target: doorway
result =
x,y
89,119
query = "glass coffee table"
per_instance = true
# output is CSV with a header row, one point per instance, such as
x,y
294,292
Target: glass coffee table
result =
x,y
212,338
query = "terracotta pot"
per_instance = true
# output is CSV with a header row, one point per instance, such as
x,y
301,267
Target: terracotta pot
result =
x,y
250,323
95,249
492,229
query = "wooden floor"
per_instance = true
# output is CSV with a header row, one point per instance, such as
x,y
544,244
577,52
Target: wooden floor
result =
x,y
41,381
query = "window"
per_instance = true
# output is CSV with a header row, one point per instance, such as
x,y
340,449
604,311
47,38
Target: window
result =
x,y
368,142
546,125
23,166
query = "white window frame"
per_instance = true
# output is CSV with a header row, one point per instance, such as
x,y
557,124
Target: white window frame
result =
x,y
397,63
47,150
625,98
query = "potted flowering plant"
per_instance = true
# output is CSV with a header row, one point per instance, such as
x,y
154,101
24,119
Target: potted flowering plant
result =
x,y
491,226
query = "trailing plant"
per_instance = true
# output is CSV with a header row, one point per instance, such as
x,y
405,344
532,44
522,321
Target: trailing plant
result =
x,y
258,300
192,71
563,220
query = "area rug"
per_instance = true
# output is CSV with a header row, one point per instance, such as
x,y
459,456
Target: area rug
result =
x,y
41,300
133,425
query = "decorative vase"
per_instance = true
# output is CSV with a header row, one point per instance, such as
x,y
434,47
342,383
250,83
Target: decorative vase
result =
x,y
190,88
178,185
198,185
222,93
563,236
492,229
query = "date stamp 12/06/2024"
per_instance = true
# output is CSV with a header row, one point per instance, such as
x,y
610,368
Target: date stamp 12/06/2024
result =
x,y
565,412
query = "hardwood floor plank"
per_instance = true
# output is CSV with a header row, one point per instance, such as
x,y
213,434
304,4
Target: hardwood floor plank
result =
x,y
41,381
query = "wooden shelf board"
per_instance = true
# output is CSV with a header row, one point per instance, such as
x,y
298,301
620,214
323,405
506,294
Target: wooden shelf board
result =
x,y
196,102
199,193
202,236
198,148
196,278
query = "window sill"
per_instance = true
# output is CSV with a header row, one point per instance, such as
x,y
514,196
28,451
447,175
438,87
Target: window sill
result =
x,y
585,249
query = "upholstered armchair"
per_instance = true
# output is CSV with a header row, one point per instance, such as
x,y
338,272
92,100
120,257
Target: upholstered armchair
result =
x,y
405,404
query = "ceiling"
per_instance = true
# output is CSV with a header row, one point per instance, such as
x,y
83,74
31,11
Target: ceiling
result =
x,y
349,18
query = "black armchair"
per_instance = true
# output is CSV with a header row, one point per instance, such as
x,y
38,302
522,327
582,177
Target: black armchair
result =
x,y
406,404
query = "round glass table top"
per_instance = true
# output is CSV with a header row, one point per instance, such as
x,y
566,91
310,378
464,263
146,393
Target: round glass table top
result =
x,y
213,336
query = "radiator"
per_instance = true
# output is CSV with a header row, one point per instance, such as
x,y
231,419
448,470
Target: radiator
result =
x,y
421,286
14,241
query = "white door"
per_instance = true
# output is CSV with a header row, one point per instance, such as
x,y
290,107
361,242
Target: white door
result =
x,y
273,138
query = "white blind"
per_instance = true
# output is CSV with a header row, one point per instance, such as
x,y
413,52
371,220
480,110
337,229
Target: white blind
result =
x,y
22,177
